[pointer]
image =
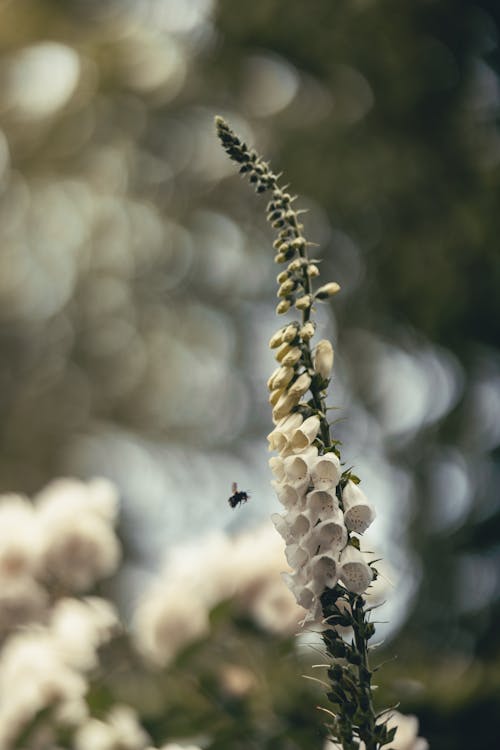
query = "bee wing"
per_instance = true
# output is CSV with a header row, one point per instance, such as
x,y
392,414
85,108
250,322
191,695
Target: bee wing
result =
x,y
234,487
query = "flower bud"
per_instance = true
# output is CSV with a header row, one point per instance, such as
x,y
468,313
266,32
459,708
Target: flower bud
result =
x,y
312,271
275,395
301,385
296,264
280,258
282,276
276,339
328,290
323,358
285,288
298,243
292,356
283,307
307,331
281,351
282,377
303,303
270,382
290,332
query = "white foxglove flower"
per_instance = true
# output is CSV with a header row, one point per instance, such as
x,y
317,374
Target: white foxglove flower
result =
x,y
325,569
323,358
321,504
279,438
355,573
358,512
332,533
299,526
326,472
297,472
288,496
277,466
304,595
281,525
296,556
304,435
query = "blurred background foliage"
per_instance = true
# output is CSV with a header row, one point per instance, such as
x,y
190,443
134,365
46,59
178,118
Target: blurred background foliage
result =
x,y
137,286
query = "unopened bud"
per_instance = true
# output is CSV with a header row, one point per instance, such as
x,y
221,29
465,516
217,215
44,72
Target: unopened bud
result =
x,y
270,382
328,290
283,307
280,258
281,351
282,276
304,302
285,289
284,406
307,331
276,339
275,395
299,243
283,377
300,386
291,357
323,358
312,271
290,332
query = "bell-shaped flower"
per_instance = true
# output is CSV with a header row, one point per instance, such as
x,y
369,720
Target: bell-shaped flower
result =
x,y
299,526
281,525
324,568
321,504
332,533
297,473
358,512
279,438
288,496
296,556
355,573
323,358
304,435
277,466
303,594
326,472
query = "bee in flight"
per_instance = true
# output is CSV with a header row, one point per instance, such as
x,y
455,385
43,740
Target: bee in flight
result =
x,y
237,497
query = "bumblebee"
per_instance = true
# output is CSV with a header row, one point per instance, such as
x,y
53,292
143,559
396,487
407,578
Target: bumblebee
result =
x,y
237,498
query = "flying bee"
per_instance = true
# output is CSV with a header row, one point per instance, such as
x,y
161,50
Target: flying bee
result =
x,y
237,497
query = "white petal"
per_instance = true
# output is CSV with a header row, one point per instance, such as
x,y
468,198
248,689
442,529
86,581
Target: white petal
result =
x,y
358,512
324,567
326,472
305,434
355,573
321,504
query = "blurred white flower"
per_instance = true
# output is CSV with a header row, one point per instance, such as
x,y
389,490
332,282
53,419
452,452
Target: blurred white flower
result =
x,y
323,358
246,569
79,544
33,677
22,600
120,731
168,619
80,626
20,536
